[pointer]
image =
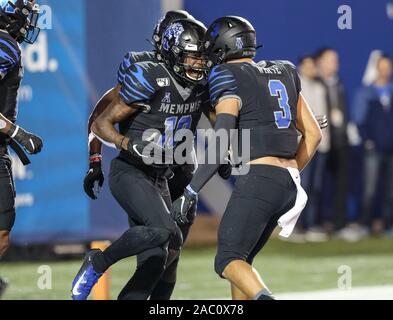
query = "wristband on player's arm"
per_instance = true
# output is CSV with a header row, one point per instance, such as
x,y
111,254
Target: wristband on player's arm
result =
x,y
205,171
95,158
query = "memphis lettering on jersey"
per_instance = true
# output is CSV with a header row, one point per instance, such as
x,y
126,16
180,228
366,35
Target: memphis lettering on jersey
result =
x,y
171,108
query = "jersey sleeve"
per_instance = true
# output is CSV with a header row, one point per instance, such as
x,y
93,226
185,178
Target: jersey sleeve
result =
x,y
124,65
131,58
9,57
222,85
138,84
293,71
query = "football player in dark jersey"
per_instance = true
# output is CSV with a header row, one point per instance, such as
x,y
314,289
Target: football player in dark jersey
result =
x,y
166,96
17,24
95,174
181,174
264,99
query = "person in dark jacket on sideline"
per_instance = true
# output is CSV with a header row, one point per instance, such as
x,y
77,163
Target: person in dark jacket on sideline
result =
x,y
374,118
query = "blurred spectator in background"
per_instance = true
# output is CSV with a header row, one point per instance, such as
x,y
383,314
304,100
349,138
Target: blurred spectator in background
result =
x,y
327,61
374,118
313,174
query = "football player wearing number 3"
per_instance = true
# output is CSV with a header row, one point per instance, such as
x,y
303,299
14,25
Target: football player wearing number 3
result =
x,y
266,99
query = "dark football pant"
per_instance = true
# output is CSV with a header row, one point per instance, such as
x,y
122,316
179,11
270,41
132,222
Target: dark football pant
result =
x,y
7,194
181,178
259,199
144,195
137,285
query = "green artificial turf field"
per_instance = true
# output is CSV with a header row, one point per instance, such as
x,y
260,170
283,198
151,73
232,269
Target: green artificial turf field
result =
x,y
285,267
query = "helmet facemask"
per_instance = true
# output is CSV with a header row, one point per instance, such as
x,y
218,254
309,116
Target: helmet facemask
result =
x,y
31,25
191,65
22,22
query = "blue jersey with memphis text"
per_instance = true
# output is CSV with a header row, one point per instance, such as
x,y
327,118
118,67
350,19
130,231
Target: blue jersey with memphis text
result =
x,y
268,93
11,73
163,103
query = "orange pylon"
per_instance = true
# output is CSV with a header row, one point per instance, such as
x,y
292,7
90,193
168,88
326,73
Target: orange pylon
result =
x,y
101,291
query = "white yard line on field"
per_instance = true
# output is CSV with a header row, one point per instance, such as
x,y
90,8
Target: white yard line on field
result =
x,y
356,293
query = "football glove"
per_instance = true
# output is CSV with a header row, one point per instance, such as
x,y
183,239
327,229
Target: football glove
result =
x,y
182,206
149,152
94,178
225,171
322,121
30,142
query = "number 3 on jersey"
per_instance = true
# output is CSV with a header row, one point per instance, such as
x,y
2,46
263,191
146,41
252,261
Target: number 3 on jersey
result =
x,y
284,117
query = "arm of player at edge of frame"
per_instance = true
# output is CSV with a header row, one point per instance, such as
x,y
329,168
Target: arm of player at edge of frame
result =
x,y
95,145
311,133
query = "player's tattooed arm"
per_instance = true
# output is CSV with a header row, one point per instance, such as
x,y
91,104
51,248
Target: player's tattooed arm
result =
x,y
95,145
311,133
104,125
94,179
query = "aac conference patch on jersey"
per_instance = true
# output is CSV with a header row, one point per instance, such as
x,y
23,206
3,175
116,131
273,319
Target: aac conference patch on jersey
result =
x,y
163,82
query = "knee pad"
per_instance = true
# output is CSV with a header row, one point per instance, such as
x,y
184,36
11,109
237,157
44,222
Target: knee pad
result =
x,y
163,234
155,236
